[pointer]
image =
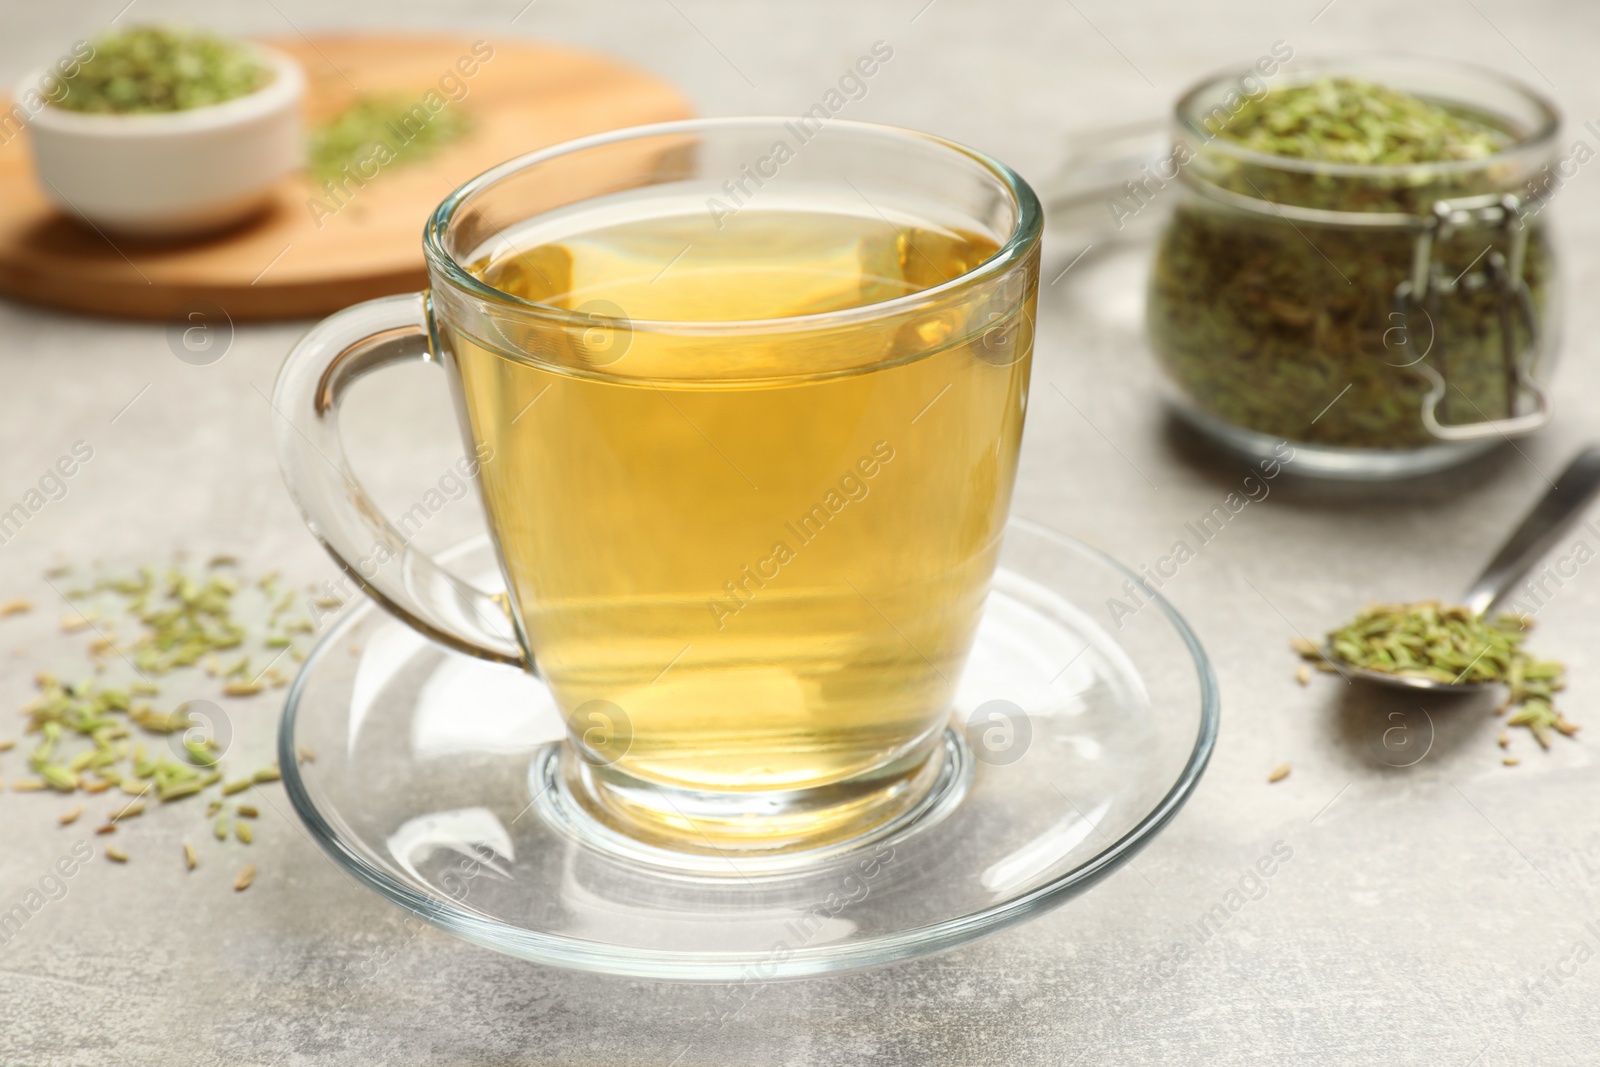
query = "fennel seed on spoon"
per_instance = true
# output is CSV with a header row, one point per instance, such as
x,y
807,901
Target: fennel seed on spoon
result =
x,y
1449,643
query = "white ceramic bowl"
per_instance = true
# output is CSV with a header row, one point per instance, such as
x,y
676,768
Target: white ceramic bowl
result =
x,y
176,173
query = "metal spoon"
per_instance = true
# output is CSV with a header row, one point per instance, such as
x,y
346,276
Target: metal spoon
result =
x,y
1564,502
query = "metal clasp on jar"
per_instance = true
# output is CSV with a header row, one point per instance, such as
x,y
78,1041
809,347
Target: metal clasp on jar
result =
x,y
1503,272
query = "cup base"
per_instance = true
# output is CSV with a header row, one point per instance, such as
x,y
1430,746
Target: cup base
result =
x,y
421,789
740,834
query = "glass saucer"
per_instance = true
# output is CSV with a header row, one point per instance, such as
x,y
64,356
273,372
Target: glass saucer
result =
x,y
1083,722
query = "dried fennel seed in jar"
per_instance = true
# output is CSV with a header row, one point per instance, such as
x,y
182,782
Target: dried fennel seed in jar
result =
x,y
1262,322
1445,643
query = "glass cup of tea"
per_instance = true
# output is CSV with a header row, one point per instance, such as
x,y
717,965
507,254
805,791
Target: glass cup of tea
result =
x,y
743,400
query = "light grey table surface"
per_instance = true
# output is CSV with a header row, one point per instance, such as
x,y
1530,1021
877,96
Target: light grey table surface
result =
x,y
1417,907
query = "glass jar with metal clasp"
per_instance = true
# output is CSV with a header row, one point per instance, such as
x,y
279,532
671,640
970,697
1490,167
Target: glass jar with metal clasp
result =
x,y
1385,321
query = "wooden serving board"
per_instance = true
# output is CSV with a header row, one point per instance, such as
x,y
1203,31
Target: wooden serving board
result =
x,y
284,265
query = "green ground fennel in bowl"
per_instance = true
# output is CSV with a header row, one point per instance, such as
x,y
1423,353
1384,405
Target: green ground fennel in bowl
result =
x,y
1272,300
150,69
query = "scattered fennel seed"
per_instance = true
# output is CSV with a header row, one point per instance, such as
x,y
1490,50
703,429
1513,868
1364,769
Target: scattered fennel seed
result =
x,y
76,622
127,811
381,128
101,729
59,778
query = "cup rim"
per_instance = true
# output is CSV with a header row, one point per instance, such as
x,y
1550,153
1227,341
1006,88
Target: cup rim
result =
x,y
1543,134
1025,235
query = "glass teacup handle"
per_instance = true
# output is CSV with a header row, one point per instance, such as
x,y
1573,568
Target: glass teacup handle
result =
x,y
337,352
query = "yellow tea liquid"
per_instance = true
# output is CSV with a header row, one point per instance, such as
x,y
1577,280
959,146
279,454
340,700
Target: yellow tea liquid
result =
x,y
749,560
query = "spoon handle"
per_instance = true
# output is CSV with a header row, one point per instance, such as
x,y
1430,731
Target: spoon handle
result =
x,y
1573,490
